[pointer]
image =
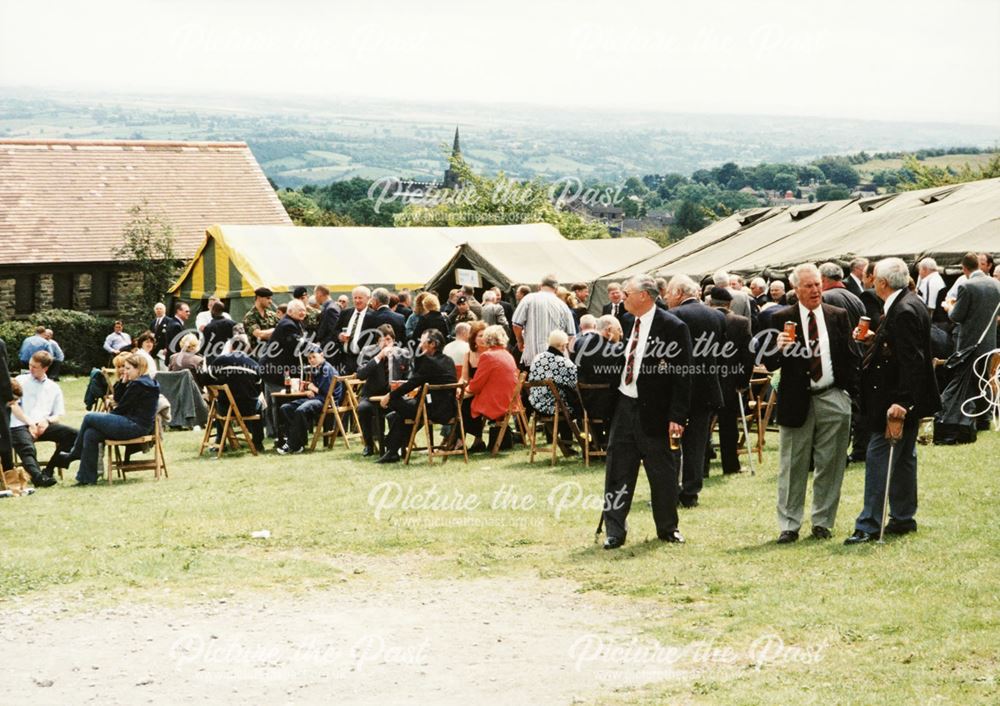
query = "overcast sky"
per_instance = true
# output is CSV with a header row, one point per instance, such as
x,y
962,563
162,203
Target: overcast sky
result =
x,y
917,60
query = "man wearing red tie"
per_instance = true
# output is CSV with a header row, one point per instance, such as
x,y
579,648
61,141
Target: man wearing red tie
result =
x,y
654,394
819,368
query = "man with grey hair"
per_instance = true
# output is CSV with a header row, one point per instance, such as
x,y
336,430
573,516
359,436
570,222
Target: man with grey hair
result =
x,y
352,327
975,316
818,362
382,314
836,294
707,328
930,283
538,315
898,389
493,313
855,281
741,300
758,290
610,327
652,409
776,292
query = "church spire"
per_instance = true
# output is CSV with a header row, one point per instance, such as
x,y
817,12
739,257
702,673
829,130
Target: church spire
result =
x,y
451,180
456,151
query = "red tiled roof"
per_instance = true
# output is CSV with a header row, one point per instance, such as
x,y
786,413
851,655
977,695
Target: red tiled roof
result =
x,y
68,200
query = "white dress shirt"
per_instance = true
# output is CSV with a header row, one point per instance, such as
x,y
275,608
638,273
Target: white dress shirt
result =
x,y
929,287
643,323
824,345
354,327
40,400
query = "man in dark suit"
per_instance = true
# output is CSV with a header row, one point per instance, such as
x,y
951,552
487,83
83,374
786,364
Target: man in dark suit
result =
x,y
279,356
707,328
218,331
353,324
898,390
431,366
652,409
174,327
389,363
974,313
382,314
328,326
597,352
818,374
836,293
404,307
737,367
855,282
158,328
868,297
616,307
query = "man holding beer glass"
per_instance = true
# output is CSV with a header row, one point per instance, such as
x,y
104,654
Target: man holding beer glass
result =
x,y
898,388
819,366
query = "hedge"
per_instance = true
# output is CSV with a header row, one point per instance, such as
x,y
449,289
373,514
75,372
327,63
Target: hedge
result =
x,y
80,335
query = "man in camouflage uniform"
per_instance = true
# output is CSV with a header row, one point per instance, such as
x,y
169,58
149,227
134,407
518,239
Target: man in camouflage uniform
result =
x,y
260,321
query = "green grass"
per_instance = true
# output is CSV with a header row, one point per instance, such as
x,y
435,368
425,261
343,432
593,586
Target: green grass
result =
x,y
913,621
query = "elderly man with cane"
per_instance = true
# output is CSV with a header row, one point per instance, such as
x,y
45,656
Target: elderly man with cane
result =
x,y
898,388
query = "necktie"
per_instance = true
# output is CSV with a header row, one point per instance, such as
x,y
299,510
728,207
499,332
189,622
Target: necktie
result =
x,y
614,310
350,330
630,359
816,361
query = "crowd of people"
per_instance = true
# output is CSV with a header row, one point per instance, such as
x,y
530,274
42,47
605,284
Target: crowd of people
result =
x,y
855,356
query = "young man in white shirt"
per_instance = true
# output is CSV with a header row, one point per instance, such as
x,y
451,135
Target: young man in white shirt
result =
x,y
36,418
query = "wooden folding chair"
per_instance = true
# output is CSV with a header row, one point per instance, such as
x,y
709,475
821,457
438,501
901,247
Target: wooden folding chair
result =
x,y
233,423
758,413
348,405
537,421
515,411
157,464
591,424
454,444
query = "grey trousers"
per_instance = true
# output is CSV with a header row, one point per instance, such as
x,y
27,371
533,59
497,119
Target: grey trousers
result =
x,y
820,443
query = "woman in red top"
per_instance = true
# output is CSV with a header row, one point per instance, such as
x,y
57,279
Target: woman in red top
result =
x,y
491,387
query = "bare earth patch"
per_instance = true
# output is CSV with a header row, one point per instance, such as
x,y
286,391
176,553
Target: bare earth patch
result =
x,y
385,639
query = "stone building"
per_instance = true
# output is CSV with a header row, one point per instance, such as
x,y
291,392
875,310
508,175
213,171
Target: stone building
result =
x,y
64,205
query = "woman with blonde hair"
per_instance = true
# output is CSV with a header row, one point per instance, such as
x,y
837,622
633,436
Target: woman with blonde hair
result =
x,y
187,357
132,417
431,319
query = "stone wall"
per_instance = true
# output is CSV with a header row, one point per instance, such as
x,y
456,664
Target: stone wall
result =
x,y
6,297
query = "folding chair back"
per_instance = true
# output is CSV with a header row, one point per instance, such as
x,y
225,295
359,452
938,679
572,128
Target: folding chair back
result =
x,y
454,443
515,411
591,425
332,415
234,427
107,401
541,420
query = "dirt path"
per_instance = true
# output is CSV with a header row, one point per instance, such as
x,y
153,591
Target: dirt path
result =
x,y
395,641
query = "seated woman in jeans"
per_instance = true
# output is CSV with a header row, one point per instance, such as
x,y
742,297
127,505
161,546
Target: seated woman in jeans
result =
x,y
132,417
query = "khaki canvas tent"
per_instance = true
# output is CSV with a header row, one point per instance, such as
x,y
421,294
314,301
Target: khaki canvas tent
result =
x,y
504,266
943,223
234,260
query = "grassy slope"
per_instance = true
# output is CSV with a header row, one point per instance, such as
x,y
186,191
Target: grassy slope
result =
x,y
913,621
956,161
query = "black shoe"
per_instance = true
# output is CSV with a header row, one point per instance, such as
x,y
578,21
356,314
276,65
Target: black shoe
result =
x,y
390,457
369,451
787,537
821,532
614,542
733,473
860,537
688,502
62,459
899,528
478,447
674,537
43,481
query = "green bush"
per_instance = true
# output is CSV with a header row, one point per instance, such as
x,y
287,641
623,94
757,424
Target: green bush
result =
x,y
80,335
12,333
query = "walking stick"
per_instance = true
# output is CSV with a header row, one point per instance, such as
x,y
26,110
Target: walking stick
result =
x,y
885,503
600,527
746,432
